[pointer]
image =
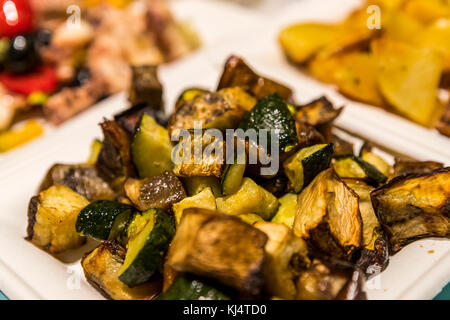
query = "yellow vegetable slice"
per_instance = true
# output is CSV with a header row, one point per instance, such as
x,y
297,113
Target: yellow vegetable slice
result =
x,y
302,41
15,137
437,36
408,78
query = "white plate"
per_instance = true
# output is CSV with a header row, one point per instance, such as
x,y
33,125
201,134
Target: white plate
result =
x,y
27,272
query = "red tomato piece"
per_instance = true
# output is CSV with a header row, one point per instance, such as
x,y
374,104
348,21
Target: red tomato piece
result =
x,y
44,79
16,17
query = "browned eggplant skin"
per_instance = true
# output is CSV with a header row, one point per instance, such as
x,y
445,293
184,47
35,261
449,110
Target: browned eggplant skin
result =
x,y
237,73
220,247
342,147
32,211
114,160
318,112
82,178
145,87
329,279
101,267
425,221
405,167
371,262
159,192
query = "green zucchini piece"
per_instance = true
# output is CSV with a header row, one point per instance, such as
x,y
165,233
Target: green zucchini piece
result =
x,y
96,146
286,212
355,167
151,149
250,218
186,287
195,185
103,219
146,248
250,198
306,164
376,161
271,113
232,178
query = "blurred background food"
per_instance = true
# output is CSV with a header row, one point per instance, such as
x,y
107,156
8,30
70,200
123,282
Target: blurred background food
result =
x,y
395,55
59,57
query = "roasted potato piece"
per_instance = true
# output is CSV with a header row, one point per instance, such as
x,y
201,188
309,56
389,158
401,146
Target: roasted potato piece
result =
x,y
373,256
317,112
159,192
250,198
328,216
405,167
301,41
427,10
408,78
237,73
330,280
287,256
220,247
221,110
51,219
413,207
114,160
81,178
145,87
101,268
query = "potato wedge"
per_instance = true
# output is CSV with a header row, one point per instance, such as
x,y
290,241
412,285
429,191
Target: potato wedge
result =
x,y
409,78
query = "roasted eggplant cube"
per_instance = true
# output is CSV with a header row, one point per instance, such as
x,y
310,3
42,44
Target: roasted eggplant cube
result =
x,y
414,207
373,257
130,117
328,216
250,198
104,219
101,268
51,219
145,87
114,160
405,167
220,247
159,192
287,257
318,112
237,73
330,280
81,178
188,287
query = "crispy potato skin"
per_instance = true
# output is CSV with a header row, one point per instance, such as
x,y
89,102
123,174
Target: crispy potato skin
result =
x,y
221,247
414,207
101,268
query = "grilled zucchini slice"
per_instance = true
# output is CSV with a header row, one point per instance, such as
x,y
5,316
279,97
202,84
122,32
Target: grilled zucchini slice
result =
x,y
287,256
160,191
355,167
202,200
286,212
195,185
414,207
146,248
103,219
303,166
151,149
250,198
271,113
328,216
187,287
250,218
96,146
51,219
375,160
101,267
232,178
220,247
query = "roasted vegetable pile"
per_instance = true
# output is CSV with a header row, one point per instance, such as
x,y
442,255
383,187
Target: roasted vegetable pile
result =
x,y
393,54
313,228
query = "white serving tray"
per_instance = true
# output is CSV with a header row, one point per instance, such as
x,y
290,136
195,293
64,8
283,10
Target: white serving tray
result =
x,y
417,272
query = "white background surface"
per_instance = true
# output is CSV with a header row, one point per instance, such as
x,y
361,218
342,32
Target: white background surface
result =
x,y
27,272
